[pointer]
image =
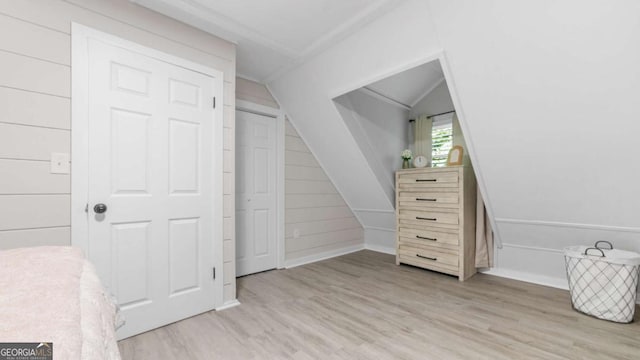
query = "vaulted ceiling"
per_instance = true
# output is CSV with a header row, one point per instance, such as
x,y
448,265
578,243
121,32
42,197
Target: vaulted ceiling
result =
x,y
275,35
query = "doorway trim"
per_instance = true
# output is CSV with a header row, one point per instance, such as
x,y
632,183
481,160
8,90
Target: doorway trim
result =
x,y
278,115
80,36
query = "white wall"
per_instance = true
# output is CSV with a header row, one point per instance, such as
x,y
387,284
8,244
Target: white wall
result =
x,y
35,98
386,127
254,92
550,106
380,130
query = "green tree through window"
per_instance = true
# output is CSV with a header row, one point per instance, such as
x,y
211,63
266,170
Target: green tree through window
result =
x,y
442,140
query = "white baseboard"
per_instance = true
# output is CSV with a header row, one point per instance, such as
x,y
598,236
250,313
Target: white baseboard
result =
x,y
380,249
288,264
228,305
554,282
535,279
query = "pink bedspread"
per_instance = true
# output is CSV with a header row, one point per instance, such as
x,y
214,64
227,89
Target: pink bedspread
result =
x,y
52,294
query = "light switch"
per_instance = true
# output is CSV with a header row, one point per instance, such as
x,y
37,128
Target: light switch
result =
x,y
60,163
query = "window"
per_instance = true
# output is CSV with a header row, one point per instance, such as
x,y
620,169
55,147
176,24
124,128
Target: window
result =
x,y
442,140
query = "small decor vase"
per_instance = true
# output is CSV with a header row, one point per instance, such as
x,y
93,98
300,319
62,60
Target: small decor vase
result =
x,y
406,164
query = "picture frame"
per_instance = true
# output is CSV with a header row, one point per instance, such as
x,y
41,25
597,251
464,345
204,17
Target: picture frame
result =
x,y
455,156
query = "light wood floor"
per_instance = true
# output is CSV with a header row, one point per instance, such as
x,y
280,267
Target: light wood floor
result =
x,y
363,306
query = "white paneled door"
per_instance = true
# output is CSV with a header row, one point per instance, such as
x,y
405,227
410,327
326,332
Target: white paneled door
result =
x,y
256,206
151,185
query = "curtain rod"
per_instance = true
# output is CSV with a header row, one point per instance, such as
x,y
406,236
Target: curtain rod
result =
x,y
431,116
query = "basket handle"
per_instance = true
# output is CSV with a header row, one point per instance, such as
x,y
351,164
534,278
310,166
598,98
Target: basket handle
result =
x,y
602,241
586,251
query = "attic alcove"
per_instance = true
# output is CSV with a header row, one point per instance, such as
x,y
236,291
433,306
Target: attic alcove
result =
x,y
377,116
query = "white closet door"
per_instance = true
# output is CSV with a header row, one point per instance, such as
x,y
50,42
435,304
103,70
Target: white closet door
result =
x,y
255,193
151,127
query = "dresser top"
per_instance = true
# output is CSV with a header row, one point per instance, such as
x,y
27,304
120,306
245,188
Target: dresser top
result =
x,y
443,168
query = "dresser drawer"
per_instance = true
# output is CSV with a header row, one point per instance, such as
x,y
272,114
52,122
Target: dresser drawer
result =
x,y
430,236
428,200
445,248
427,180
433,260
429,217
442,257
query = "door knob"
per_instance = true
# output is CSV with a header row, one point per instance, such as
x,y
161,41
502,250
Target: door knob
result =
x,y
100,208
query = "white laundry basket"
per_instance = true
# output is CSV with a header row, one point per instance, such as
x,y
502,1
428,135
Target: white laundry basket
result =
x,y
603,282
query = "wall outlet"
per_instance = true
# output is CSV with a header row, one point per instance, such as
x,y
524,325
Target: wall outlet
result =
x,y
60,163
296,233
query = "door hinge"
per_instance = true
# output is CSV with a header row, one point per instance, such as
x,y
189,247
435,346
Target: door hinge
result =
x,y
214,273
214,102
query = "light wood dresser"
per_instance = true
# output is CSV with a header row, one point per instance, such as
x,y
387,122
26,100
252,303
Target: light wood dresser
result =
x,y
435,219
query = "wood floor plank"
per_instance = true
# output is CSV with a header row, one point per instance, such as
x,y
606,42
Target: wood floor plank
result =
x,y
363,306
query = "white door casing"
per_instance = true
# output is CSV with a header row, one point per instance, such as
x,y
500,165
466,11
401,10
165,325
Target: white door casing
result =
x,y
148,144
256,193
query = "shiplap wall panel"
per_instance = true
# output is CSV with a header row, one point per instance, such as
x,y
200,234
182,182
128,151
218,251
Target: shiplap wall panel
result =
x,y
229,139
35,237
229,117
305,173
229,250
35,41
328,248
229,229
228,160
227,185
59,15
306,186
254,92
34,211
322,239
31,177
229,203
311,214
290,130
229,94
35,91
313,206
300,158
319,227
294,143
29,108
26,73
31,142
126,11
297,201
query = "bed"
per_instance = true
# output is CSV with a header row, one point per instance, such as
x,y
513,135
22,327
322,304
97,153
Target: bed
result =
x,y
52,294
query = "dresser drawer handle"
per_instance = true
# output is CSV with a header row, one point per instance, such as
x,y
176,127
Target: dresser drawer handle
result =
x,y
426,180
426,257
423,218
423,199
426,238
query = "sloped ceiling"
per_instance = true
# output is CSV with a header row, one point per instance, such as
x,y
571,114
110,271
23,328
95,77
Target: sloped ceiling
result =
x,y
273,36
409,87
